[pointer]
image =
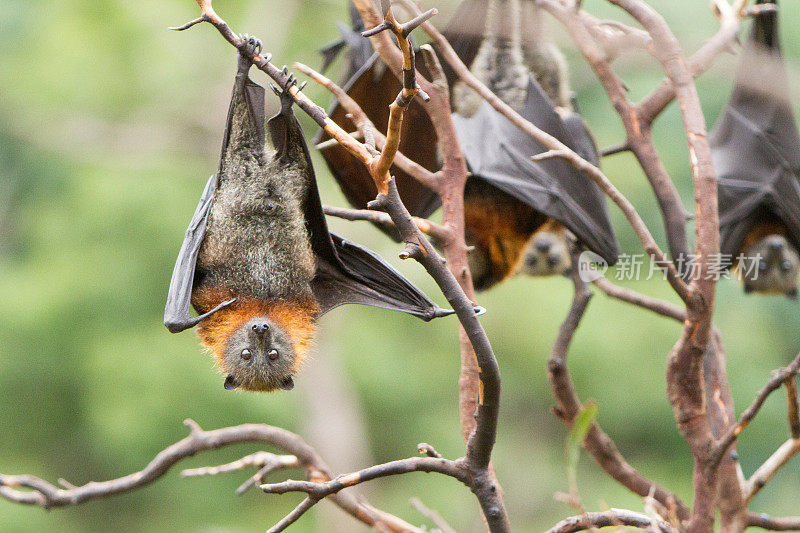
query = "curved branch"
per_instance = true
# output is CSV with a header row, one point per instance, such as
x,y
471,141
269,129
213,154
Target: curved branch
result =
x,y
47,495
778,378
611,518
764,521
442,233
597,442
630,296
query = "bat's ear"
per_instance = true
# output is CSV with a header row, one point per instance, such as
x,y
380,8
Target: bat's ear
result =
x,y
230,383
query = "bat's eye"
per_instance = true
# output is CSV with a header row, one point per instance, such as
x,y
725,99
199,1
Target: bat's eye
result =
x,y
269,205
762,267
785,265
273,354
246,354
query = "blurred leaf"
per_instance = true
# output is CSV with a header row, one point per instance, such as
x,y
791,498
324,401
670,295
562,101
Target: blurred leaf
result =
x,y
577,433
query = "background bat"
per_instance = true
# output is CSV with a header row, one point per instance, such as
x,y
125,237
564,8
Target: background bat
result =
x,y
506,201
258,263
756,149
508,197
374,87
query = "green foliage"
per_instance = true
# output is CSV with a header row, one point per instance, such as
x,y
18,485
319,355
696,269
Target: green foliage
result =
x,y
109,127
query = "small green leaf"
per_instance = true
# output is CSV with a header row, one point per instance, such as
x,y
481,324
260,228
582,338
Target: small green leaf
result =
x,y
577,433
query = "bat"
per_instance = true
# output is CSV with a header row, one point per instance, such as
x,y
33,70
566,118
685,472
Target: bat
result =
x,y
756,152
374,87
258,263
508,198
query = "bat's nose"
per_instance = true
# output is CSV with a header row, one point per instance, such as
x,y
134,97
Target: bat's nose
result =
x,y
261,328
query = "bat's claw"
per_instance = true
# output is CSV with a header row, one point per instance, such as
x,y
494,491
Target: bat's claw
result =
x,y
284,93
252,44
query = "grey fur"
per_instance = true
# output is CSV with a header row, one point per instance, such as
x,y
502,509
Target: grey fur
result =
x,y
261,360
256,242
506,57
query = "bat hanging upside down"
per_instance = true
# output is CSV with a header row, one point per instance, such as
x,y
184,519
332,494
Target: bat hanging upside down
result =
x,y
756,149
516,212
258,263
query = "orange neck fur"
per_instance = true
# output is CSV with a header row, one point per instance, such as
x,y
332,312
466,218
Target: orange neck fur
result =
x,y
295,317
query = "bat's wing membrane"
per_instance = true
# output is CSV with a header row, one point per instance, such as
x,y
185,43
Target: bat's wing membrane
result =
x,y
346,272
177,311
755,143
499,153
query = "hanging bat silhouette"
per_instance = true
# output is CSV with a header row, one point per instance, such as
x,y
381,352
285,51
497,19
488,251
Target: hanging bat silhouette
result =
x,y
374,87
509,199
756,152
258,263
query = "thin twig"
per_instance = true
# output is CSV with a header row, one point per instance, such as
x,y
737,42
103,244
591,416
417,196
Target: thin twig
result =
x,y
431,515
630,296
778,378
764,521
776,461
377,217
611,518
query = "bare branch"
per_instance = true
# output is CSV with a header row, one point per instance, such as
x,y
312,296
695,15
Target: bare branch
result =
x,y
424,225
360,119
597,442
630,296
731,18
432,515
46,495
778,378
793,407
610,518
761,477
259,459
764,521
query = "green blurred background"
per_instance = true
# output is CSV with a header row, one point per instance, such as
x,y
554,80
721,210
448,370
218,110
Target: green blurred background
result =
x,y
109,127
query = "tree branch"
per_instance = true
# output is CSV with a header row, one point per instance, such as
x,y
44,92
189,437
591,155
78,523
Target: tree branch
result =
x,y
761,477
46,495
764,521
426,226
779,377
630,296
611,518
597,442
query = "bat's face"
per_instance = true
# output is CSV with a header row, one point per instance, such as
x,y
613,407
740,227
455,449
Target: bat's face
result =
x,y
259,356
772,266
546,255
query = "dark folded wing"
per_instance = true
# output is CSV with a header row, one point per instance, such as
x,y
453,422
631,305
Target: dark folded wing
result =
x,y
755,143
179,299
499,153
374,88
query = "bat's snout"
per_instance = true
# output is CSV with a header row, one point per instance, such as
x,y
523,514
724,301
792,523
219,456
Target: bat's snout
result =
x,y
260,328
